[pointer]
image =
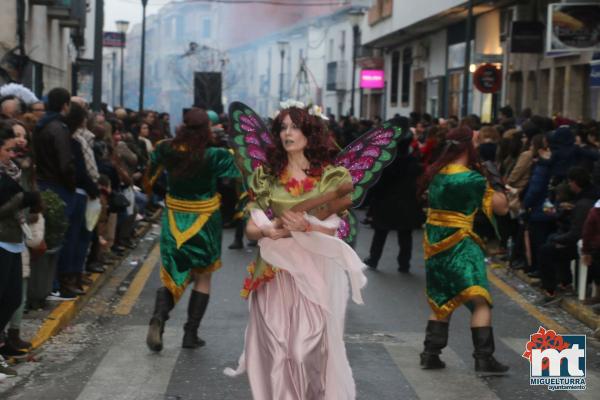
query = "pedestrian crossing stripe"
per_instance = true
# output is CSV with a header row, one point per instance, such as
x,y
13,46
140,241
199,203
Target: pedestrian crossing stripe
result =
x,y
129,370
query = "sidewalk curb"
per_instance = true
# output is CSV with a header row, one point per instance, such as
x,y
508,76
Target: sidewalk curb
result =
x,y
572,306
66,311
581,312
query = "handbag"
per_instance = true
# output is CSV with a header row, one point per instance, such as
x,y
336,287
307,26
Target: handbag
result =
x,y
117,202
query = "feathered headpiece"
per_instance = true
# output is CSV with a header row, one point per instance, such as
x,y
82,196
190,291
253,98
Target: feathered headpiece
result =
x,y
20,91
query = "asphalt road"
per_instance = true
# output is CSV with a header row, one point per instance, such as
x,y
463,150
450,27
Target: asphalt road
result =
x,y
103,355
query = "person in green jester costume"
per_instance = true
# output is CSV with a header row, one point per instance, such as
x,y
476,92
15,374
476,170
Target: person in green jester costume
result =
x,y
454,259
191,235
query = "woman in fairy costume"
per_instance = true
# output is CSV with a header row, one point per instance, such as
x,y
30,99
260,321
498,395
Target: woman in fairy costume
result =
x,y
298,287
454,258
190,242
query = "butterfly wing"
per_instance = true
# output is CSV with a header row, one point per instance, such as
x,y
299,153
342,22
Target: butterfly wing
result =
x,y
249,136
367,156
348,229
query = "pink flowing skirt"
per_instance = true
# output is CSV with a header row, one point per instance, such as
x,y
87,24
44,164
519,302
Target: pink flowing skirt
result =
x,y
286,343
294,342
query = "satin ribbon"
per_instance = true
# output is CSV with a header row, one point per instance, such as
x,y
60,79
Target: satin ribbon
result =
x,y
204,209
449,219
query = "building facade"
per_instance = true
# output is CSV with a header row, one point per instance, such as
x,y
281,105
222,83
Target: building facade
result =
x,y
424,57
181,39
39,42
310,61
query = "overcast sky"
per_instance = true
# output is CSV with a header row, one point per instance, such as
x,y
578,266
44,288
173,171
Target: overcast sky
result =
x,y
129,10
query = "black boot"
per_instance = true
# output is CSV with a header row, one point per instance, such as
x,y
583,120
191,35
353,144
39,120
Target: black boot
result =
x,y
164,303
483,342
436,338
14,338
196,309
238,241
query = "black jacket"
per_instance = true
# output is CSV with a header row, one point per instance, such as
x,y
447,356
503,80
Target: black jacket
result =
x,y
583,203
52,152
394,204
12,199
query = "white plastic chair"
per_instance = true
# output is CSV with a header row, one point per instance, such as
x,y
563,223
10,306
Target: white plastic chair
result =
x,y
582,273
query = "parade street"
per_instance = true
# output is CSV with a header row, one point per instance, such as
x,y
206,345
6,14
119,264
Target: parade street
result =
x,y
103,354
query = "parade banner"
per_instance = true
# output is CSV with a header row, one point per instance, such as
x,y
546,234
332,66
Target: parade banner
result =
x,y
573,27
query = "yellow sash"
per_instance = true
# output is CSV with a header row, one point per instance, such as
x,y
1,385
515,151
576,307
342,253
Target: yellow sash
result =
x,y
449,219
204,209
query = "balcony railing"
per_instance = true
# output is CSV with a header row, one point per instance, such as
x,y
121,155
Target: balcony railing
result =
x,y
61,9
71,13
43,2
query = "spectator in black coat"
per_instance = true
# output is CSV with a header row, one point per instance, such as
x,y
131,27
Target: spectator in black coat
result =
x,y
394,205
561,247
13,199
566,154
540,224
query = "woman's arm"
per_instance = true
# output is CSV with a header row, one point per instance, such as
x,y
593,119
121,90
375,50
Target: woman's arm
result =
x,y
294,221
499,203
253,232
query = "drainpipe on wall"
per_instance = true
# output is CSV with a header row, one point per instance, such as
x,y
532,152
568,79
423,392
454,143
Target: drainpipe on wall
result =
x,y
21,38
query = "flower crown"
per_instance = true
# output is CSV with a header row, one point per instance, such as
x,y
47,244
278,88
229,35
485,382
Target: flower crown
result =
x,y
313,110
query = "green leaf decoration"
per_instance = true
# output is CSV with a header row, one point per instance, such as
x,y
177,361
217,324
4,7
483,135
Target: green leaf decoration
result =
x,y
385,156
248,165
376,167
239,140
368,176
357,193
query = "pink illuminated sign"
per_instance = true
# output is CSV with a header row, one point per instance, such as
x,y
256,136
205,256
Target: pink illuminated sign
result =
x,y
372,79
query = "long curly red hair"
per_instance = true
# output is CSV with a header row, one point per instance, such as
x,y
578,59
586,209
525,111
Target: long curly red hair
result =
x,y
190,143
457,142
318,148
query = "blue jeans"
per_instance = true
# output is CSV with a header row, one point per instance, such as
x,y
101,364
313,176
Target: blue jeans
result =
x,y
69,258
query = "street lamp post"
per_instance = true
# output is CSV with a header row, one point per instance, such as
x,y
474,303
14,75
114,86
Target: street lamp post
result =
x,y
466,71
141,105
98,63
122,27
356,16
282,45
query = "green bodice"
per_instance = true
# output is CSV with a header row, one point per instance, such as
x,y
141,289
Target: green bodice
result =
x,y
269,194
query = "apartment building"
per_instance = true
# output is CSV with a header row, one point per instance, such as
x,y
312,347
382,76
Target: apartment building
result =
x,y
311,61
424,43
40,40
181,39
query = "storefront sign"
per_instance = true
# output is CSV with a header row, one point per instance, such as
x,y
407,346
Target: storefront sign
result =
x,y
113,39
487,78
527,37
488,58
372,79
573,27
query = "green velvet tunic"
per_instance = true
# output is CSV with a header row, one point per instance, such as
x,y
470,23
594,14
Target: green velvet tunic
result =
x,y
455,262
203,249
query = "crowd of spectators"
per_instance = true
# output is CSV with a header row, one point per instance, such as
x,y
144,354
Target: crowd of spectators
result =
x,y
70,191
549,169
71,188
